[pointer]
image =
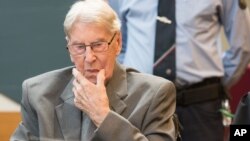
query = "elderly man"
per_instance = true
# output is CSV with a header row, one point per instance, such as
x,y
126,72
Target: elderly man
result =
x,y
97,99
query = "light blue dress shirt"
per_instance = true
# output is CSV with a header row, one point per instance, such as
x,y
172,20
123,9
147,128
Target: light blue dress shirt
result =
x,y
198,49
138,19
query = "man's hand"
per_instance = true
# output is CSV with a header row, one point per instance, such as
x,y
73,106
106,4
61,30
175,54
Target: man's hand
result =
x,y
90,98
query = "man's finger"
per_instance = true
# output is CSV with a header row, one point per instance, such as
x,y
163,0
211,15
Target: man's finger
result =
x,y
79,77
101,77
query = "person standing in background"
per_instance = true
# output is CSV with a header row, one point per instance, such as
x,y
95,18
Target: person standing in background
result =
x,y
204,73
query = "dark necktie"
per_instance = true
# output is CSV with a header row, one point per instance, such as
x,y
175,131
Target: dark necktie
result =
x,y
164,59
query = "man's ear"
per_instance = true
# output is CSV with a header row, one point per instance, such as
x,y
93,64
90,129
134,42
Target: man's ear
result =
x,y
118,43
71,57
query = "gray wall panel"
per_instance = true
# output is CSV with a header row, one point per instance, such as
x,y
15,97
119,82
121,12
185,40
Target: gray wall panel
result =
x,y
31,41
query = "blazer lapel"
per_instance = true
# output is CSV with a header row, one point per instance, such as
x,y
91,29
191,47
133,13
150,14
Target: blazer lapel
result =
x,y
117,89
68,115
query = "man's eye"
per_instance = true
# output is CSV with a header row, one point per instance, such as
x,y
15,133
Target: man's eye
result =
x,y
96,45
79,46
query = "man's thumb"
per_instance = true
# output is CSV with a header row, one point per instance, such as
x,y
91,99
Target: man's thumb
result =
x,y
101,77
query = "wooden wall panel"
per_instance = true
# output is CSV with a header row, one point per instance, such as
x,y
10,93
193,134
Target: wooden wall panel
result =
x,y
8,123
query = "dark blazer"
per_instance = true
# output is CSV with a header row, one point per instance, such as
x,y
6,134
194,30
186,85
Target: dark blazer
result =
x,y
142,109
242,115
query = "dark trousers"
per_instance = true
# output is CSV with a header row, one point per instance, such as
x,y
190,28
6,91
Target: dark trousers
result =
x,y
201,121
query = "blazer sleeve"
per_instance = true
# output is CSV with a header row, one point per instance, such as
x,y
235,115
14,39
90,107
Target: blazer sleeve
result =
x,y
27,129
158,124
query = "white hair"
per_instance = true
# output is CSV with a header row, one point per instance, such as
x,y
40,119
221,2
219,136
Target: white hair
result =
x,y
92,12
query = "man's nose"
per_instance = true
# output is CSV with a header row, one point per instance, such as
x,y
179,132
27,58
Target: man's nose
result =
x,y
89,54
